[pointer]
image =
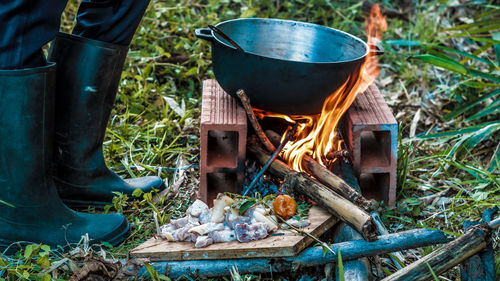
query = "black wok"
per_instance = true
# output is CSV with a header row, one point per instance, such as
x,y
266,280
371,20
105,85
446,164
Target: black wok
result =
x,y
285,66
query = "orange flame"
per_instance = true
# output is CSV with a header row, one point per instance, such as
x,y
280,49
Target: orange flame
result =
x,y
317,136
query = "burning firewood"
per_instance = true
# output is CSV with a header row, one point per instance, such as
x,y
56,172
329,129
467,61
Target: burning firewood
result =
x,y
330,200
329,179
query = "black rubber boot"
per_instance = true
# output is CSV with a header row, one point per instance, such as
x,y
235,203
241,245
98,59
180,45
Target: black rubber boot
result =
x,y
88,73
37,213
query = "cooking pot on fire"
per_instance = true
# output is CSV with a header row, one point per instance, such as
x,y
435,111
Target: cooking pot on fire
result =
x,y
284,66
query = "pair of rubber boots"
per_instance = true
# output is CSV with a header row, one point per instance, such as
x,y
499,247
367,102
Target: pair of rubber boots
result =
x,y
52,126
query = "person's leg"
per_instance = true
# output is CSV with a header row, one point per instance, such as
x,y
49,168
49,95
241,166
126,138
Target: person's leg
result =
x,y
112,21
30,208
25,27
89,69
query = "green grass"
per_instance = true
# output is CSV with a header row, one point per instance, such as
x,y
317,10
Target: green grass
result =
x,y
154,125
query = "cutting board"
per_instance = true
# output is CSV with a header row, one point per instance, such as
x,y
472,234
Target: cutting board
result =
x,y
283,243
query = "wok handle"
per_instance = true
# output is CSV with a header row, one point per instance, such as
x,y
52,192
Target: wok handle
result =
x,y
377,49
204,33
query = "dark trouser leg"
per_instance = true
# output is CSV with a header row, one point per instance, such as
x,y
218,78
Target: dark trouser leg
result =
x,y
112,21
26,26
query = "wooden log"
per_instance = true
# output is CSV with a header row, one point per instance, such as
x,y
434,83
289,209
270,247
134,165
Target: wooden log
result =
x,y
313,256
337,205
245,101
329,179
446,257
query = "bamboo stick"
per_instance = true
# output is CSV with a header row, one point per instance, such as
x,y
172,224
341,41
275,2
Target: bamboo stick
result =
x,y
337,205
329,179
446,257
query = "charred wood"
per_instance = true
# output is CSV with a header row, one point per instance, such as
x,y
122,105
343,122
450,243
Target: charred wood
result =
x,y
337,205
329,179
245,101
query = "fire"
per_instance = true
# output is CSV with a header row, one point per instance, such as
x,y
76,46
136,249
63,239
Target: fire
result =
x,y
316,135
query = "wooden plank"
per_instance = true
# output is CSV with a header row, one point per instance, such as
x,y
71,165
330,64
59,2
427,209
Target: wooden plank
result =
x,y
285,244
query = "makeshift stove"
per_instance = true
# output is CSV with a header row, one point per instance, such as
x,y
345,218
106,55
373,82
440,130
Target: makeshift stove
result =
x,y
369,128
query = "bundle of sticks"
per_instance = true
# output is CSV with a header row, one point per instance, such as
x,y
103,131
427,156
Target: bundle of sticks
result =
x,y
343,201
329,190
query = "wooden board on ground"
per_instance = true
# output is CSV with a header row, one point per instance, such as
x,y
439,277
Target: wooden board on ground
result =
x,y
285,244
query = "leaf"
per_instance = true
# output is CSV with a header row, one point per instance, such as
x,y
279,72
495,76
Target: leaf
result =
x,y
494,107
479,84
44,262
151,271
482,134
163,277
465,54
471,25
137,192
495,160
179,109
432,272
486,40
405,43
456,112
444,63
459,131
245,206
28,251
192,71
481,29
107,245
46,277
6,203
45,250
496,36
341,267
480,195
454,66
248,13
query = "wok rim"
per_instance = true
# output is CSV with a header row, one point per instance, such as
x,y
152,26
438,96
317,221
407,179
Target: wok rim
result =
x,y
367,48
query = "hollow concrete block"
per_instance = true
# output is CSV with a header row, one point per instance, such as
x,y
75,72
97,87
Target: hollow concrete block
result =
x,y
222,142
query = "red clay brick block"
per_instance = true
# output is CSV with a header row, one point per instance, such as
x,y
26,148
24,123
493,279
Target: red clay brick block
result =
x,y
370,131
222,142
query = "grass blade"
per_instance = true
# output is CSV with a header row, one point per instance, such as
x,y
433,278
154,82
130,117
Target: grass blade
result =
x,y
494,107
482,29
459,131
341,267
496,36
432,272
463,54
485,40
454,66
444,63
456,112
471,25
